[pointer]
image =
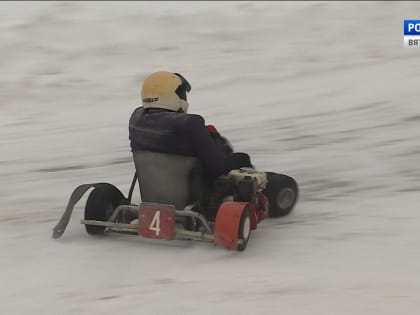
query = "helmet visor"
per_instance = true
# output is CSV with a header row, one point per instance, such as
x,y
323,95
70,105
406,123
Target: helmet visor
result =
x,y
185,87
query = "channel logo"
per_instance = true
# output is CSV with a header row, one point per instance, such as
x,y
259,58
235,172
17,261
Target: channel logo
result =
x,y
412,33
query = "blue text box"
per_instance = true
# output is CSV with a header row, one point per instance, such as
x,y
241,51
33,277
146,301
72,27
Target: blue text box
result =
x,y
411,27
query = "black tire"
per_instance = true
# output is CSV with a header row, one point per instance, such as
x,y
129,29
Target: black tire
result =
x,y
244,229
282,192
100,205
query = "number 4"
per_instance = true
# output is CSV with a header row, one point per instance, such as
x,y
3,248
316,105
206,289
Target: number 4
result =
x,y
155,224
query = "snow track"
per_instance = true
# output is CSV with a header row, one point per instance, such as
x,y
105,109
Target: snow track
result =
x,y
332,102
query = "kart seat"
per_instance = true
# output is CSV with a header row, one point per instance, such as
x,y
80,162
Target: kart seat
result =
x,y
168,178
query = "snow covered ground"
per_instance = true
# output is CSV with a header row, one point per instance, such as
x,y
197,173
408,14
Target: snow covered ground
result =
x,y
324,92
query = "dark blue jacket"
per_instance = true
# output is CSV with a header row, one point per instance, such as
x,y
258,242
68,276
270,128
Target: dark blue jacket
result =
x,y
166,131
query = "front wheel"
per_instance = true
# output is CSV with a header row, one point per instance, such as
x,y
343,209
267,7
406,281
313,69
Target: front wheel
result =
x,y
100,205
282,193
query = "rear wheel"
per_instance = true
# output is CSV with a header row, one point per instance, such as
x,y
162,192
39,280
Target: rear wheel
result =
x,y
282,193
232,227
100,205
244,230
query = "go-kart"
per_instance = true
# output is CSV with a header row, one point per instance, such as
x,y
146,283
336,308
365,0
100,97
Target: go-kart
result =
x,y
178,202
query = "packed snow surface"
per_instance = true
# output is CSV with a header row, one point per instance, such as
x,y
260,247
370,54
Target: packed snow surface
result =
x,y
322,91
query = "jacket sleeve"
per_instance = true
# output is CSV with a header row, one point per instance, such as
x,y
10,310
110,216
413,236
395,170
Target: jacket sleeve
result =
x,y
206,148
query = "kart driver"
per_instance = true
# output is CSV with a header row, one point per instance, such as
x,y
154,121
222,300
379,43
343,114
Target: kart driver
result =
x,y
163,125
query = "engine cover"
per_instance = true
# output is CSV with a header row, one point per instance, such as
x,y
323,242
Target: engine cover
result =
x,y
242,173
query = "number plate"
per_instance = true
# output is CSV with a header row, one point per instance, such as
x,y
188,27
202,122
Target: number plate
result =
x,y
156,221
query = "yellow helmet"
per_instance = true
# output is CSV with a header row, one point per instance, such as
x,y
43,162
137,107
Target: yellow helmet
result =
x,y
165,90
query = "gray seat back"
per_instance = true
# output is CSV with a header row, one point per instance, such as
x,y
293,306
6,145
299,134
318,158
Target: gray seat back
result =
x,y
168,178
